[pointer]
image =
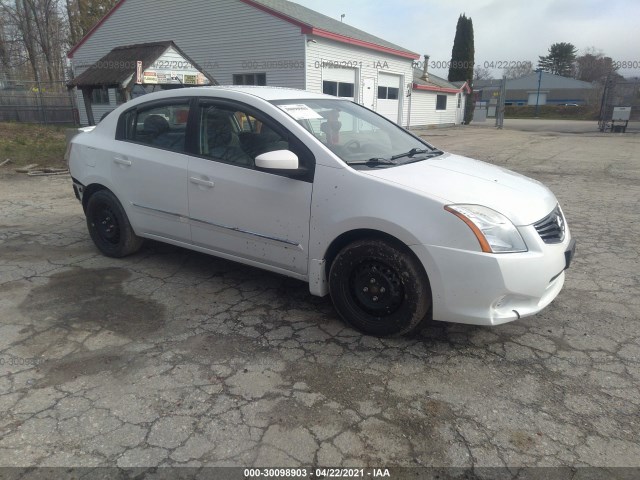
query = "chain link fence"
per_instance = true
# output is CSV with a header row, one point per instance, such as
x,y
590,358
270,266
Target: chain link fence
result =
x,y
619,93
37,102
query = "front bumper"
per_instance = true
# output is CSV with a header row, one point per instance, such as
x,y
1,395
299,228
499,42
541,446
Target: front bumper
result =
x,y
78,189
490,289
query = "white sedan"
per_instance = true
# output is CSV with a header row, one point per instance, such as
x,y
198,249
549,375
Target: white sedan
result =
x,y
326,191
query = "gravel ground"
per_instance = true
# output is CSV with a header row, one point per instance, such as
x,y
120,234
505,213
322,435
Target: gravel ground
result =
x,y
174,358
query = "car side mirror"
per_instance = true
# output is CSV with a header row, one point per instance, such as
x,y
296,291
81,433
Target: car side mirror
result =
x,y
277,160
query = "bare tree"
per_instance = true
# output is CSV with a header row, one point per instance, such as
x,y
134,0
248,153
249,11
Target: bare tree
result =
x,y
594,66
5,60
520,69
24,23
82,15
41,33
72,20
43,15
482,73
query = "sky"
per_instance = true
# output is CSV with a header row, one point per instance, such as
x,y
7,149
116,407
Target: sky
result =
x,y
504,30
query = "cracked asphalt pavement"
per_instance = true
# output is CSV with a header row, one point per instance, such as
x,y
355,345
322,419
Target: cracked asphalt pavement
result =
x,y
174,358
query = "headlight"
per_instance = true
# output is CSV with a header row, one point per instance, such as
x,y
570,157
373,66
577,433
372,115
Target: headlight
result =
x,y
494,231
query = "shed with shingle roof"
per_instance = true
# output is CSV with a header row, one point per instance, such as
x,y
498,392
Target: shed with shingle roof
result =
x,y
121,67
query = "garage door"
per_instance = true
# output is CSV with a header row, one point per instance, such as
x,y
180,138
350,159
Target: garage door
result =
x,y
339,82
389,96
534,98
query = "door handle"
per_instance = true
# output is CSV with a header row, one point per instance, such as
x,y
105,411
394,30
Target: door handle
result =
x,y
200,181
122,161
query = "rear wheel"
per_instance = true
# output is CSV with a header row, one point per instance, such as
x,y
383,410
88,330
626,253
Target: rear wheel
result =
x,y
379,288
109,226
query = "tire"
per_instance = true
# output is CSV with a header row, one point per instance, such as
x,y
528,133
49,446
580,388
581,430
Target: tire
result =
x,y
109,226
379,288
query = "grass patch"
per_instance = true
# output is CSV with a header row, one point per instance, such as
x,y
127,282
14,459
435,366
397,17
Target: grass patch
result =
x,y
26,143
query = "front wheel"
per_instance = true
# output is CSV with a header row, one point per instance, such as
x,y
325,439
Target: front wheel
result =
x,y
109,226
379,288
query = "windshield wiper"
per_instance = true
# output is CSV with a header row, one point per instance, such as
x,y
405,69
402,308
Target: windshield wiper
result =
x,y
411,153
373,162
431,154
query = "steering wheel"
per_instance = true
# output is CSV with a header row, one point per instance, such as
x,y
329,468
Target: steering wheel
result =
x,y
352,145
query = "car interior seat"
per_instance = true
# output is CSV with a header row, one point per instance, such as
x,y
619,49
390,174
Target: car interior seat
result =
x,y
155,126
157,132
221,141
266,140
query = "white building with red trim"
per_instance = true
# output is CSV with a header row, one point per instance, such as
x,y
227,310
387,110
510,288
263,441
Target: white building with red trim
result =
x,y
275,43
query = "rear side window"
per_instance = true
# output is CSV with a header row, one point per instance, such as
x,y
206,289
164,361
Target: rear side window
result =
x,y
161,126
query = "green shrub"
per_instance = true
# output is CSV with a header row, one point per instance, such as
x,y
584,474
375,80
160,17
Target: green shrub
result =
x,y
557,112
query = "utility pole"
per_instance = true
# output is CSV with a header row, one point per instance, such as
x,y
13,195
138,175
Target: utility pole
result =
x,y
501,101
538,95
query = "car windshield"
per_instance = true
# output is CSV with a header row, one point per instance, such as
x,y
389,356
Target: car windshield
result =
x,y
357,135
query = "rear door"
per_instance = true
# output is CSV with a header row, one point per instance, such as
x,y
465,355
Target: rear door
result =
x,y
149,168
237,210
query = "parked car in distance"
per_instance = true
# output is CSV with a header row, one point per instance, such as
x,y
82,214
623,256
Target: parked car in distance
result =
x,y
326,191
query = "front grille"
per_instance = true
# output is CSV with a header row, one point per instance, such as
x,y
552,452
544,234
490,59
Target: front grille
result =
x,y
551,228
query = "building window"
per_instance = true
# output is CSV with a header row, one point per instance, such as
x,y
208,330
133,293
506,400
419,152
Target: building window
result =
x,y
345,89
388,93
459,100
121,96
441,102
338,89
100,96
250,79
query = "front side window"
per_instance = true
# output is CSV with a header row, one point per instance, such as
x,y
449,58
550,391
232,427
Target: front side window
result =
x,y
234,135
354,133
162,126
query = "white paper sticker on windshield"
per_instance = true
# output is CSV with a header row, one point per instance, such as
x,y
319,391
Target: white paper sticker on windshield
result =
x,y
300,111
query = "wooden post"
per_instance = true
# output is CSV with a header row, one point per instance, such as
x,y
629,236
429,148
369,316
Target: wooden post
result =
x,y
86,95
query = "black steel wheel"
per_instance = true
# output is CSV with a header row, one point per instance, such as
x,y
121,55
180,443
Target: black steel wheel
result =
x,y
379,288
109,226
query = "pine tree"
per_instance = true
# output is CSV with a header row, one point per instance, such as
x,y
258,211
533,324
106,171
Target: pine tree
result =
x,y
560,60
463,60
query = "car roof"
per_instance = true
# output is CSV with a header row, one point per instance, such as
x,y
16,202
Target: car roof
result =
x,y
270,93
265,93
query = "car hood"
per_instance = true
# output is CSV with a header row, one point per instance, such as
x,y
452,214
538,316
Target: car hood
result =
x,y
457,179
